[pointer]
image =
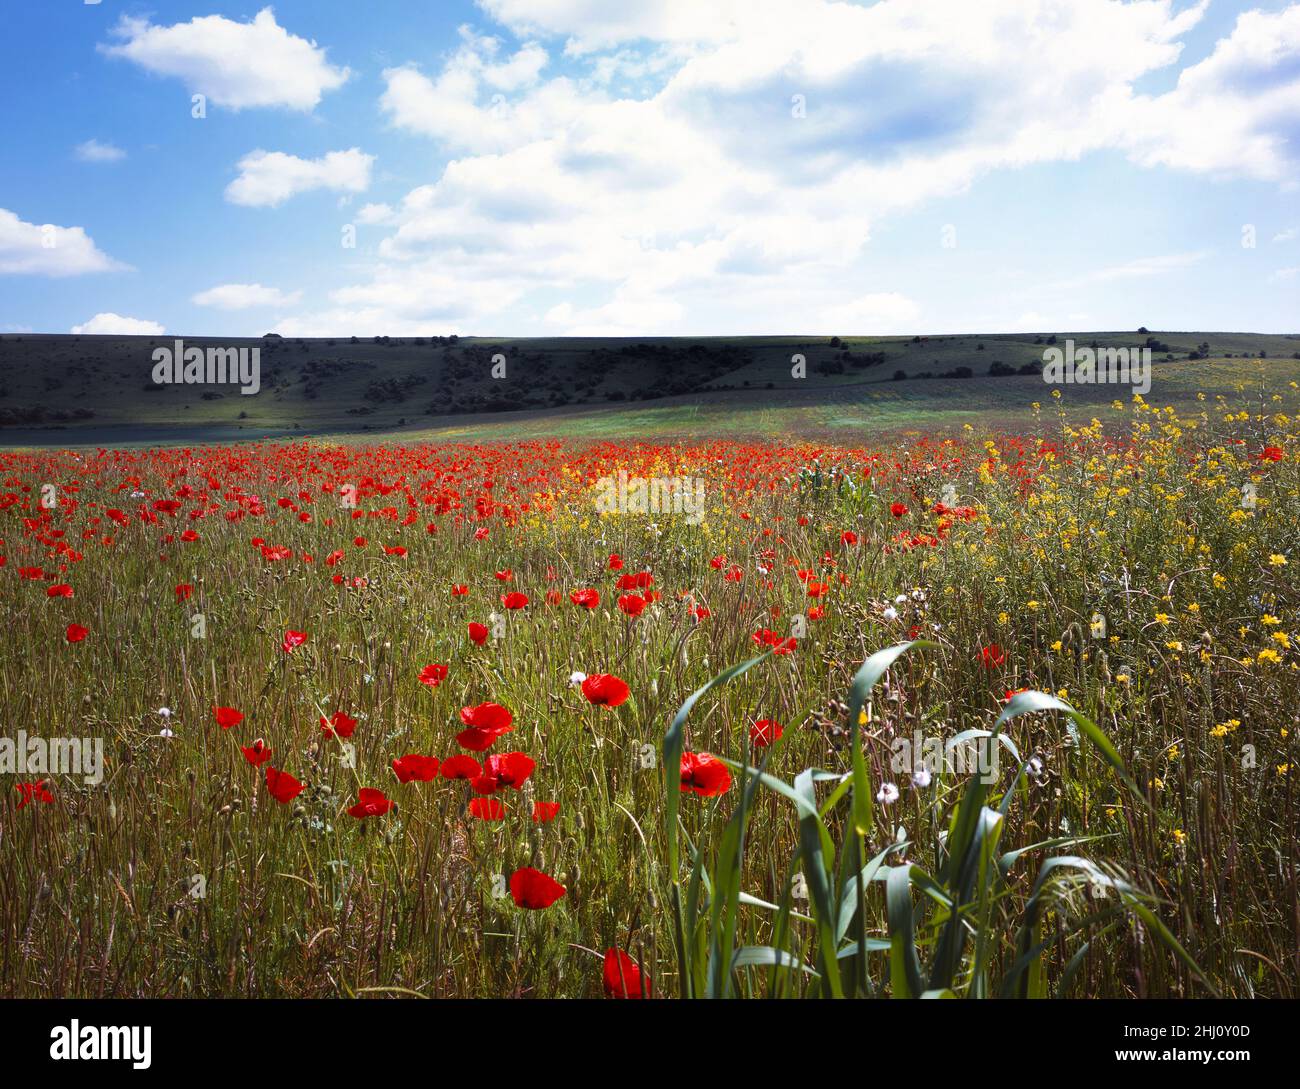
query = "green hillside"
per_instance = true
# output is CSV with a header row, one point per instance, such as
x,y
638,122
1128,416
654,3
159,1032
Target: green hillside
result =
x,y
68,389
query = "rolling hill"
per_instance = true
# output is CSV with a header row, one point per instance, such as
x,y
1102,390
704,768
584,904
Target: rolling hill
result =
x,y
64,389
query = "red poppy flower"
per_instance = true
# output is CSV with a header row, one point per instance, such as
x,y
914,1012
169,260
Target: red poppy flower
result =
x,y
370,803
992,656
532,889
37,790
764,732
433,674
510,769
76,633
632,604
545,812
293,639
615,562
898,509
183,592
514,600
849,538
605,690
1271,453
283,786
417,768
461,767
257,754
780,645
227,717
588,599
478,634
704,775
487,716
338,724
486,809
61,590
622,976
395,550
460,591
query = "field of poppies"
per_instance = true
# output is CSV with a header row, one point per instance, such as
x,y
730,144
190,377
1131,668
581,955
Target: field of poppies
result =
x,y
447,720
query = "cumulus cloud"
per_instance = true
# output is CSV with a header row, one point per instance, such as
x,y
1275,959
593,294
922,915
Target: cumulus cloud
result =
x,y
92,151
373,213
1235,113
236,65
110,324
720,168
245,297
49,250
269,178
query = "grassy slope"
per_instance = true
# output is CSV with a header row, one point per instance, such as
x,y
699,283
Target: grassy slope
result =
x,y
584,387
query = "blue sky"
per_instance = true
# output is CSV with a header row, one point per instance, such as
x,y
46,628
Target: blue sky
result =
x,y
546,167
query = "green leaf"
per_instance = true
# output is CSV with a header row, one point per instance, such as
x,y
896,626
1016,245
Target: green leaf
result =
x,y
864,681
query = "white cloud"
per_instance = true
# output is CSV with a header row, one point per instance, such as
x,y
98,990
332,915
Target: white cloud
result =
x,y
373,213
1142,267
49,250
1284,274
236,65
733,184
268,178
1234,113
592,24
92,151
882,312
1287,235
110,324
245,297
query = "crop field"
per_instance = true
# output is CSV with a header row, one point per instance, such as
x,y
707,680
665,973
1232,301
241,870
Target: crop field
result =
x,y
746,699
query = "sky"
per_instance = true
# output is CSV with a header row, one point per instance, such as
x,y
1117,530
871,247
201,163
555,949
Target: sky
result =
x,y
669,167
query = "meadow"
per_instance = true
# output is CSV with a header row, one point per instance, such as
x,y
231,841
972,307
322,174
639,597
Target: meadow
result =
x,y
415,717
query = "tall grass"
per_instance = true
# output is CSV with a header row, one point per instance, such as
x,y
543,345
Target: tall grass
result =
x,y
1153,853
